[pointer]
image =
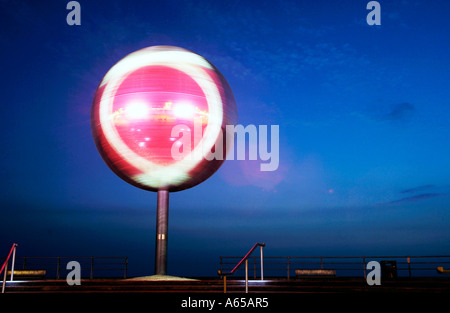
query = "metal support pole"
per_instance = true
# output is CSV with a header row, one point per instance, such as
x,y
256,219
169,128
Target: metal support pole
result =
x,y
162,222
246,275
262,268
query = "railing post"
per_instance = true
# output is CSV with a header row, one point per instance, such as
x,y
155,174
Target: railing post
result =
x,y
409,266
4,277
245,258
126,267
13,261
58,266
288,268
92,267
246,275
262,267
364,267
5,264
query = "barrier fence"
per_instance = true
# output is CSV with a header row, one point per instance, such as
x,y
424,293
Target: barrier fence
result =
x,y
91,267
352,266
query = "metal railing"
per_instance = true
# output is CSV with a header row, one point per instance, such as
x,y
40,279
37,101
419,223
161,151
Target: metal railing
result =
x,y
224,274
91,267
5,265
351,266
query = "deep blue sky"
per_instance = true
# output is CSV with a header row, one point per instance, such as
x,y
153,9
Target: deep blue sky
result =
x,y
364,115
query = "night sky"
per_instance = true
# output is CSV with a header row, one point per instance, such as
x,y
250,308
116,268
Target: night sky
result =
x,y
363,111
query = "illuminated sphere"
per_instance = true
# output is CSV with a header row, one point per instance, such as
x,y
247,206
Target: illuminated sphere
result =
x,y
158,116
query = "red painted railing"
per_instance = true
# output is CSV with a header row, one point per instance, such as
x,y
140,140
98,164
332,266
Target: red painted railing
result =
x,y
244,259
5,265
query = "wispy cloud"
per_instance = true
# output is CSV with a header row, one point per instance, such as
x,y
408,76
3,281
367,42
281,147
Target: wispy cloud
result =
x,y
417,193
396,113
399,112
417,189
414,198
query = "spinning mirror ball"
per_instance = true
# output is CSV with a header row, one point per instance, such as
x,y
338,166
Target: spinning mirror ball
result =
x,y
158,116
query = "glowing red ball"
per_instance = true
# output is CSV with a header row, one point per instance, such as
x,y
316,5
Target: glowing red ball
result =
x,y
159,114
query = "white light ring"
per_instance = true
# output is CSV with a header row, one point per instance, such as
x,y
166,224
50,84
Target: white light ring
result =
x,y
159,56
176,173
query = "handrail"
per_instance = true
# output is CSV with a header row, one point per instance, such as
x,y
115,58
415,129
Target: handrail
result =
x,y
5,265
244,259
221,273
7,258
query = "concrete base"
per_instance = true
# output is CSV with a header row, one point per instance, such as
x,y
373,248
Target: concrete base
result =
x,y
161,277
